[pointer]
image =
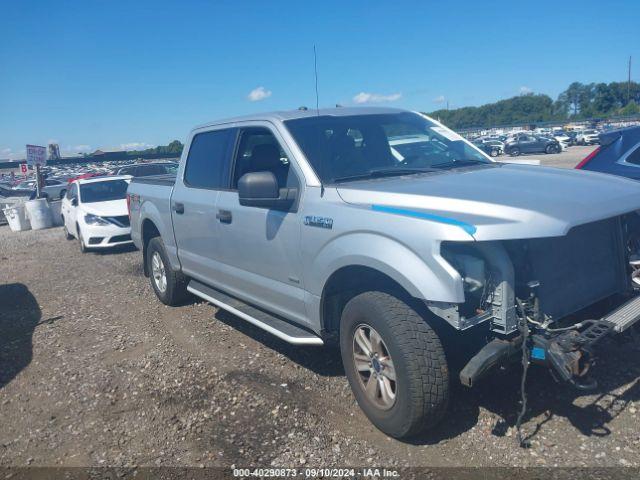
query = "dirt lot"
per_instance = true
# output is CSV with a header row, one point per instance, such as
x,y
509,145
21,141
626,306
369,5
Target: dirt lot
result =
x,y
95,371
567,159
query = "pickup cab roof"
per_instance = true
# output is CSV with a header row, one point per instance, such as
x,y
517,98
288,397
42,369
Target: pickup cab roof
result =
x,y
280,116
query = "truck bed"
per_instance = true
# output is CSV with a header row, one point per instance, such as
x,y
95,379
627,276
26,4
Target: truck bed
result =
x,y
167,180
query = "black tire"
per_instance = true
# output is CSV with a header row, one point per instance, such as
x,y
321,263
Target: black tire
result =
x,y
421,369
494,152
514,152
175,291
83,247
551,149
67,235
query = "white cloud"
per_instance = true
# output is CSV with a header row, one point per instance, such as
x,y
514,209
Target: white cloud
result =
x,y
364,97
135,146
258,94
5,151
525,90
51,141
439,99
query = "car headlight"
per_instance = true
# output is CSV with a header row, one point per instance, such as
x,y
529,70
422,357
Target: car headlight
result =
x,y
95,220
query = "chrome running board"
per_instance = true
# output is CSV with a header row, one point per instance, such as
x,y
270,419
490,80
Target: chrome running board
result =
x,y
276,326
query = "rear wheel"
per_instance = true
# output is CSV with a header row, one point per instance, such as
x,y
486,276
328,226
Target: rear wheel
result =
x,y
169,285
395,364
515,152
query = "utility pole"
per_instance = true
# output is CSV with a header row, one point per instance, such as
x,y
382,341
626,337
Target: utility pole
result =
x,y
629,82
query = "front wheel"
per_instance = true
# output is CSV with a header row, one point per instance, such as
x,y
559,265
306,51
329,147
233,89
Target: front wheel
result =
x,y
515,152
170,286
83,246
395,364
67,235
551,149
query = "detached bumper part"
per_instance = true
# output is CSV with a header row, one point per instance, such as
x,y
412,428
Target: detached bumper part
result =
x,y
569,353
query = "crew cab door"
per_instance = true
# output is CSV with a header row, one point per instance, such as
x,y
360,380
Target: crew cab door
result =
x,y
259,248
193,204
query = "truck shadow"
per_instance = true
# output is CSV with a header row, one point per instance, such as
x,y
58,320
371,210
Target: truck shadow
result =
x,y
19,316
590,413
322,361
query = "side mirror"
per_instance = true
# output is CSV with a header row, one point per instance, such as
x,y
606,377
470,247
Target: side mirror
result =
x,y
74,202
260,189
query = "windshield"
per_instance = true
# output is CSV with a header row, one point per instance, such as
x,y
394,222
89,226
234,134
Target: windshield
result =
x,y
343,148
103,191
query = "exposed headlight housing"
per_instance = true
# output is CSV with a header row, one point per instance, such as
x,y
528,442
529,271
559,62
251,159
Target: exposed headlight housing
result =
x,y
91,219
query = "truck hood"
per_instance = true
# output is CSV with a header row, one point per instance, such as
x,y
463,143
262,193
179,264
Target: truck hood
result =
x,y
112,208
499,202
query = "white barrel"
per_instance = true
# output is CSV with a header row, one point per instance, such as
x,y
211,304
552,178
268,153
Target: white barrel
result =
x,y
16,218
39,213
56,212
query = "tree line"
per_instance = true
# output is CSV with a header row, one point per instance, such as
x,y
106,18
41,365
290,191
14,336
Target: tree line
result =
x,y
578,102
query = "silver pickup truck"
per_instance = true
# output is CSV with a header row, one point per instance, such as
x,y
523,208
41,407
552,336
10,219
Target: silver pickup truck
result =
x,y
386,232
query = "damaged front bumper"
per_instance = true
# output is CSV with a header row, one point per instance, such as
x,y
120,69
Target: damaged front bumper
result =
x,y
567,352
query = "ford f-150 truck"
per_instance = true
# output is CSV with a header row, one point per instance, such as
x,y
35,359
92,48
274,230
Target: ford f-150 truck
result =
x,y
423,263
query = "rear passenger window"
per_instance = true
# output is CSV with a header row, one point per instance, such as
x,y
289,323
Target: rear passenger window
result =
x,y
634,157
208,160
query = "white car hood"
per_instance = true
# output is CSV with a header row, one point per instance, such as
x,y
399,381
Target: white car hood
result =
x,y
112,208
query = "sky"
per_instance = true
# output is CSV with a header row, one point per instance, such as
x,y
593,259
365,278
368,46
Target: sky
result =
x,y
117,74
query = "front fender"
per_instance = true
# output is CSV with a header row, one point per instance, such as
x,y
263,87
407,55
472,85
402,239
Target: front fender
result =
x,y
426,276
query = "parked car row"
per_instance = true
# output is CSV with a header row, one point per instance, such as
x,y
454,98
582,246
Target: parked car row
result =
x,y
59,177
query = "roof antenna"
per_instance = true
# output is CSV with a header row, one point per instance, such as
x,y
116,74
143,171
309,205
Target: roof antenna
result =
x,y
315,71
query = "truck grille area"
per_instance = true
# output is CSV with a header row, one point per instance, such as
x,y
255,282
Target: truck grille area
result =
x,y
579,269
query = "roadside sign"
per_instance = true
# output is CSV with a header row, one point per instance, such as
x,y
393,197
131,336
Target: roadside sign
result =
x,y
23,168
36,155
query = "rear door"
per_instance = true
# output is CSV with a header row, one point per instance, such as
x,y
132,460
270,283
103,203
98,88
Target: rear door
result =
x,y
527,144
201,177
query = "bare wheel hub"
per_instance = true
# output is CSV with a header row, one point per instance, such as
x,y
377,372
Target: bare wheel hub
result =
x,y
374,366
158,272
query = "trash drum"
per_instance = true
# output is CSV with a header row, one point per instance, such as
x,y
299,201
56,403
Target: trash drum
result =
x,y
56,212
39,213
16,218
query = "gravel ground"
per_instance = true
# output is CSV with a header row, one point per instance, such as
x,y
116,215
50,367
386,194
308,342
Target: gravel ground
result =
x,y
95,371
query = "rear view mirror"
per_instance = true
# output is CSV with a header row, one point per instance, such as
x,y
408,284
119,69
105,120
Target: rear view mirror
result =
x,y
260,189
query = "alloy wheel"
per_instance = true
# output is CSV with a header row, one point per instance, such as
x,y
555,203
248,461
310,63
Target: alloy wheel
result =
x,y
158,272
375,368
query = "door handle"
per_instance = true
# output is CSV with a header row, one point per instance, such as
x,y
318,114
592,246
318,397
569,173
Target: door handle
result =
x,y
224,216
178,208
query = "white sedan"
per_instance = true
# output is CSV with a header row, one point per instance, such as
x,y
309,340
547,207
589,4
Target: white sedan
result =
x,y
94,211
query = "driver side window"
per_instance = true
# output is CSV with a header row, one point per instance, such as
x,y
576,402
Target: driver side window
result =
x,y
259,151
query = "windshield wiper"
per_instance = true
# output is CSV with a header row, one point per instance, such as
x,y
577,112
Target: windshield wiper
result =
x,y
383,172
458,163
